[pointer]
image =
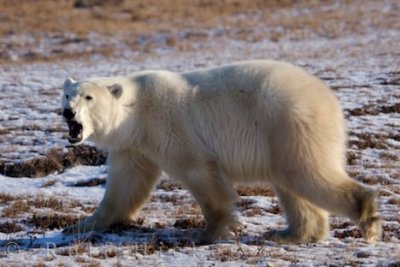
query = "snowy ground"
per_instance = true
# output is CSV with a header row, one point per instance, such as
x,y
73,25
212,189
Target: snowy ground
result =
x,y
363,70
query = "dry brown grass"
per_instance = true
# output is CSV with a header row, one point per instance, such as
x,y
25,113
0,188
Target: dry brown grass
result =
x,y
42,212
10,227
75,250
246,203
368,140
254,211
37,167
175,199
54,161
389,156
139,16
52,221
353,158
375,110
54,203
341,225
226,254
51,203
66,25
246,206
91,182
352,232
106,253
168,185
390,231
182,25
192,222
16,208
5,198
259,190
275,209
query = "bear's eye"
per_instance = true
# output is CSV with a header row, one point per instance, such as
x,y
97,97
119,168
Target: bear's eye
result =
x,y
88,97
66,96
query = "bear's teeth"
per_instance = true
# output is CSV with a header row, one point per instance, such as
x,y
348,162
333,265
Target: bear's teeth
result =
x,y
74,140
75,131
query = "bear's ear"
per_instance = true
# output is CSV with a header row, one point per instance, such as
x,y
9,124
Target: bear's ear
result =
x,y
115,90
68,82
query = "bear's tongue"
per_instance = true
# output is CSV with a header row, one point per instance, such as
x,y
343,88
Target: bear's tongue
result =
x,y
75,132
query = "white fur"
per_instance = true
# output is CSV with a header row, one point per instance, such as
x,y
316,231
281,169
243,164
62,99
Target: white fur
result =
x,y
247,122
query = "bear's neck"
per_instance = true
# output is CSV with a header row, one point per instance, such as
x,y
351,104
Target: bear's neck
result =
x,y
119,132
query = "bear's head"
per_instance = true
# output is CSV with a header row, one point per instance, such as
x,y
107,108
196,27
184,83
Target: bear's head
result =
x,y
87,108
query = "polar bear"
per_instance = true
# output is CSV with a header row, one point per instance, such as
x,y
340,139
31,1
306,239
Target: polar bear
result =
x,y
253,121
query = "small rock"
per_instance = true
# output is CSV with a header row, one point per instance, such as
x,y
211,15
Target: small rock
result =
x,y
362,254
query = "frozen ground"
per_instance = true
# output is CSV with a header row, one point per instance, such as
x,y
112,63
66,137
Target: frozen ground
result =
x,y
363,70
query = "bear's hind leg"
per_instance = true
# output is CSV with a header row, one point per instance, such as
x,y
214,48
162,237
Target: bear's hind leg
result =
x,y
367,216
341,195
306,222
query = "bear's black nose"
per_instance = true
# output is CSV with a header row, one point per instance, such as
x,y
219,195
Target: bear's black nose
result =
x,y
68,114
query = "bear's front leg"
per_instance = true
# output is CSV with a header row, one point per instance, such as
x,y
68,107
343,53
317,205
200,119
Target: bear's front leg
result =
x,y
130,180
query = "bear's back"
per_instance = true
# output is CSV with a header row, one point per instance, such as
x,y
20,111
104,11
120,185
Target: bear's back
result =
x,y
258,108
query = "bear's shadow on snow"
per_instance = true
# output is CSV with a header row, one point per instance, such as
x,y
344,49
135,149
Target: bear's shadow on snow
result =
x,y
145,239
175,236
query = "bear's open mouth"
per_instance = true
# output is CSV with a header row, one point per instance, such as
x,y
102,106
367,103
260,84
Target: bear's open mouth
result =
x,y
75,131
